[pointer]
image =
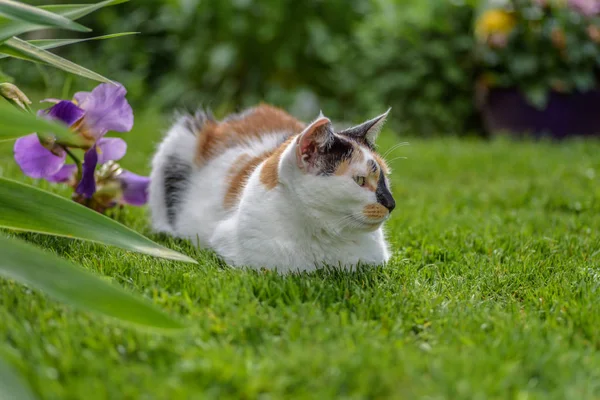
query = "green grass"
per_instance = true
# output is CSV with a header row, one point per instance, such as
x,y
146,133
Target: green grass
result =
x,y
493,292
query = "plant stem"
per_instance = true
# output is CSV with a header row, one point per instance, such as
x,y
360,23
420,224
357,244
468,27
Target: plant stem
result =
x,y
77,162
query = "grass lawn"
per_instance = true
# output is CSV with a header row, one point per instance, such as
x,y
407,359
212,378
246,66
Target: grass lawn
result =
x,y
493,292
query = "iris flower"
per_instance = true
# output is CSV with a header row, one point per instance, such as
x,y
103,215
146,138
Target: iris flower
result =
x,y
91,115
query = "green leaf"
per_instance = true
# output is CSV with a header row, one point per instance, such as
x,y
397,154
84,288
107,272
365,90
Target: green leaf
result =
x,y
16,123
18,48
25,208
9,28
75,286
537,96
27,13
584,80
54,43
12,385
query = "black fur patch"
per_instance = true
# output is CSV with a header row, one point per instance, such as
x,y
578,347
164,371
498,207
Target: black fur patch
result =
x,y
372,166
358,135
176,175
384,196
195,122
336,152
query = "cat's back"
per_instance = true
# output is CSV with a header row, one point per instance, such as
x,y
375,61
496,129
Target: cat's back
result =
x,y
229,151
260,127
208,164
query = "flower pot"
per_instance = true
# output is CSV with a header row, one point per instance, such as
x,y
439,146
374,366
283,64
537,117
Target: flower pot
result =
x,y
575,114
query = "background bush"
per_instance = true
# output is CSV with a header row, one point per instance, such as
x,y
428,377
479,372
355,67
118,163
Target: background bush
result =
x,y
351,58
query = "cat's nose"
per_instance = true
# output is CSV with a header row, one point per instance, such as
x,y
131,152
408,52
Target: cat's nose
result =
x,y
385,198
388,202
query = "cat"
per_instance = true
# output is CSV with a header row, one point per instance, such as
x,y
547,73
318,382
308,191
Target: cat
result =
x,y
264,190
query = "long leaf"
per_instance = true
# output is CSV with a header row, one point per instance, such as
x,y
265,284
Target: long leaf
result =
x,y
18,48
47,44
75,286
9,28
39,16
11,384
25,208
17,123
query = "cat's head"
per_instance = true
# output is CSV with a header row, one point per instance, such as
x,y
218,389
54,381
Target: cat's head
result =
x,y
341,176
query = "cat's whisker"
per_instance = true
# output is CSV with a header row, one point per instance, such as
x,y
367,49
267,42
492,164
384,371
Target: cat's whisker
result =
x,y
398,158
343,222
395,147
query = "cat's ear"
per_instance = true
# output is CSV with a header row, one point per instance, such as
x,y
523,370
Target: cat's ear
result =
x,y
315,139
367,132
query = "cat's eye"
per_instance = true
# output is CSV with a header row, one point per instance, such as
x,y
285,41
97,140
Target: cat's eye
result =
x,y
360,180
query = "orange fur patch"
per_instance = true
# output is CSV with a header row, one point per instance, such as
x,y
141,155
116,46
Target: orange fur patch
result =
x,y
240,172
373,180
381,162
343,167
356,158
269,174
239,177
238,164
216,137
375,211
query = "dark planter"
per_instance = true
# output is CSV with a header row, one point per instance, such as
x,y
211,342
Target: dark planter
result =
x,y
576,114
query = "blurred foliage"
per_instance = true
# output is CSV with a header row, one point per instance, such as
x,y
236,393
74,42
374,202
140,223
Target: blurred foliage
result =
x,y
540,46
418,60
351,58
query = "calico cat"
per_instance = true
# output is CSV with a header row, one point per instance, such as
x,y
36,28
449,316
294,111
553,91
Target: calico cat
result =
x,y
263,189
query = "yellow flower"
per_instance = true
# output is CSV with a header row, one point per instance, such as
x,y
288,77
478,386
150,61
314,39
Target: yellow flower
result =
x,y
494,21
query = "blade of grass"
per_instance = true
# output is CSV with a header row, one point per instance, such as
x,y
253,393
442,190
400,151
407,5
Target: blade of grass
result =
x,y
38,16
9,28
12,385
47,44
25,208
77,287
18,48
76,11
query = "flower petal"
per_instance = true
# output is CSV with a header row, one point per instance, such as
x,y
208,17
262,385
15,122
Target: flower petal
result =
x,y
87,185
80,97
64,111
106,108
110,149
35,160
135,188
63,175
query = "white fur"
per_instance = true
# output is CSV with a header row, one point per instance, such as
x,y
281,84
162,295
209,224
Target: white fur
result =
x,y
306,221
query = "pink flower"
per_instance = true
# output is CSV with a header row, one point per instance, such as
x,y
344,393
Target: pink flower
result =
x,y
586,7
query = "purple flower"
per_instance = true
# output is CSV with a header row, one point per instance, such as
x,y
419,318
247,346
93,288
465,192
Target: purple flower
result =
x,y
586,7
65,174
91,114
105,110
35,160
87,184
116,186
64,111
106,149
134,187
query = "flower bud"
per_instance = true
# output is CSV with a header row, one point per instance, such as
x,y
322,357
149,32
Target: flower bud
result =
x,y
15,96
